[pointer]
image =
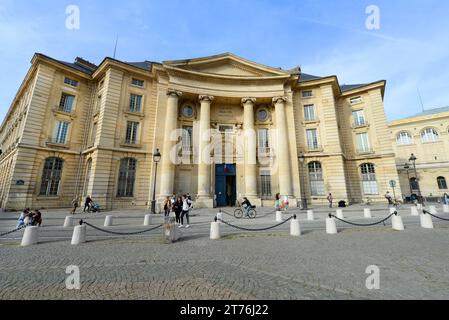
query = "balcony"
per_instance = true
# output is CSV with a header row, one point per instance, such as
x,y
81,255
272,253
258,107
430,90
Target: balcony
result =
x,y
61,111
360,124
365,151
315,148
130,144
53,142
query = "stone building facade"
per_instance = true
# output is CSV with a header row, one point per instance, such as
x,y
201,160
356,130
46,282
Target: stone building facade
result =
x,y
425,135
226,128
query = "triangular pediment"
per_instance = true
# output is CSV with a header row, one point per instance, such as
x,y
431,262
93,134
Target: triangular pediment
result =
x,y
226,65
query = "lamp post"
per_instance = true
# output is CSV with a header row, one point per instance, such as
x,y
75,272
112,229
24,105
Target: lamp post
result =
x,y
156,158
302,159
407,168
413,160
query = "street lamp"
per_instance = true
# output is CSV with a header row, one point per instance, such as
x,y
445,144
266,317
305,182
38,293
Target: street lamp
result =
x,y
413,160
302,159
407,168
156,158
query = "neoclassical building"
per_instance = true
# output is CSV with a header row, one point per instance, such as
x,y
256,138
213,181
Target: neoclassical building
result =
x,y
226,128
425,135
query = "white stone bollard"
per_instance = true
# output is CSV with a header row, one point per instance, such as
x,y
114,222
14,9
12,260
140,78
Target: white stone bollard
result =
x,y
340,214
446,208
147,220
367,213
30,236
433,210
419,206
68,222
415,211
295,228
396,222
79,235
108,221
392,210
426,221
215,231
331,226
310,215
279,216
219,216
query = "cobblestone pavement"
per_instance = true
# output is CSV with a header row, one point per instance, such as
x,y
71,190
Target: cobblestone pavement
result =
x,y
242,265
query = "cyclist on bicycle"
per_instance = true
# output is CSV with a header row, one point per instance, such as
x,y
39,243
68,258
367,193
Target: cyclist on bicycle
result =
x,y
246,205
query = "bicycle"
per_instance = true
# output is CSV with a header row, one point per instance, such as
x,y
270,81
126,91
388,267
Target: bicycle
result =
x,y
252,213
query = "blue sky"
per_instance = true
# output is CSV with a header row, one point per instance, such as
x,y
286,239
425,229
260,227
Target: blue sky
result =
x,y
410,50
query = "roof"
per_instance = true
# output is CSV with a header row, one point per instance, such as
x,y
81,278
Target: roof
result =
x,y
78,67
308,77
347,87
429,112
145,65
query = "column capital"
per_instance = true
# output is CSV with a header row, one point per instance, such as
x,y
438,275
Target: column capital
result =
x,y
248,100
280,99
206,98
174,93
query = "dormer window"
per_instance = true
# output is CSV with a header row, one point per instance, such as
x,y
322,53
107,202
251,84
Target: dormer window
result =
x,y
355,100
71,82
137,82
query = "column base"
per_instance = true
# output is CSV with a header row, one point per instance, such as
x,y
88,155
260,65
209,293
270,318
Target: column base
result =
x,y
204,202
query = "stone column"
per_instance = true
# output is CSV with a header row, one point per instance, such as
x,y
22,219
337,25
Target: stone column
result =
x,y
204,174
167,163
283,150
250,148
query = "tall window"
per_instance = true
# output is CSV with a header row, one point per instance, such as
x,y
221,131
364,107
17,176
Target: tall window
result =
x,y
127,177
358,118
135,103
263,141
414,184
131,132
369,181
66,103
61,130
404,138
429,135
309,112
187,139
442,185
265,183
312,139
93,135
316,179
51,177
363,142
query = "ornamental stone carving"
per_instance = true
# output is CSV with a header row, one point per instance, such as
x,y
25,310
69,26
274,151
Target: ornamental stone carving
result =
x,y
174,93
206,98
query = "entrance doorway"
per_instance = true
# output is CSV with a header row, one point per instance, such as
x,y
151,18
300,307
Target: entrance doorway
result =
x,y
225,184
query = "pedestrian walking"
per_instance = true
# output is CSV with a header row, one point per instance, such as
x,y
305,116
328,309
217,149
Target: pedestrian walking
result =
x,y
177,208
75,205
186,206
87,204
277,202
330,199
446,198
167,206
389,198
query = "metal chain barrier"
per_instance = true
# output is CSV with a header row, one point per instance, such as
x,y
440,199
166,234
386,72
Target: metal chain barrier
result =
x,y
425,211
255,230
363,225
15,230
227,213
120,233
257,216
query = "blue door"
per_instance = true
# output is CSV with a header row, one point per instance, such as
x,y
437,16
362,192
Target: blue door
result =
x,y
225,184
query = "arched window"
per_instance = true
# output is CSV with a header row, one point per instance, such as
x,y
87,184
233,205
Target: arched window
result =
x,y
51,177
127,177
414,184
316,179
442,185
404,138
369,181
429,135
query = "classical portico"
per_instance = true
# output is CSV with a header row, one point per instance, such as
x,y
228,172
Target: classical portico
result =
x,y
226,95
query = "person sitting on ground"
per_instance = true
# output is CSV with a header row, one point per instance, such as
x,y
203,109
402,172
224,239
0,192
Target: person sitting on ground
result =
x,y
246,206
23,215
36,218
